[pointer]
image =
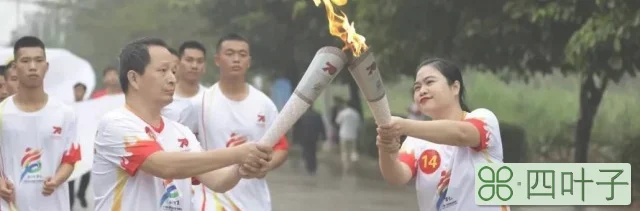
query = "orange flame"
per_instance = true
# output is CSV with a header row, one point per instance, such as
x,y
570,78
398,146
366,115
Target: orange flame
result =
x,y
339,27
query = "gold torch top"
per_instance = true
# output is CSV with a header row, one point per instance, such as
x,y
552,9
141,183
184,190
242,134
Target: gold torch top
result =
x,y
339,27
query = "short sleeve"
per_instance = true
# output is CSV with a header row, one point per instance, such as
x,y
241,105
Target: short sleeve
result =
x,y
72,150
489,129
407,155
125,144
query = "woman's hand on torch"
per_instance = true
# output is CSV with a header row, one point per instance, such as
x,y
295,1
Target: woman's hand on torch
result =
x,y
390,146
392,130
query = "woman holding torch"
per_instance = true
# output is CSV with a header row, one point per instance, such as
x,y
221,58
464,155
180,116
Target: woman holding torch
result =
x,y
457,140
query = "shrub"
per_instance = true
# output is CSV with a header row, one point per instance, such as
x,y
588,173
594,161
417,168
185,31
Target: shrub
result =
x,y
514,143
367,139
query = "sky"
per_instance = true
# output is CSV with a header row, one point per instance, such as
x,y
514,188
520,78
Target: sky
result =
x,y
8,15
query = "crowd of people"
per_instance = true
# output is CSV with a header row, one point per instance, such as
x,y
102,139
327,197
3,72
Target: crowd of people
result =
x,y
178,145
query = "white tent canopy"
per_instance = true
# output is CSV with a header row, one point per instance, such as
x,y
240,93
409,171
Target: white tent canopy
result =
x,y
65,70
89,113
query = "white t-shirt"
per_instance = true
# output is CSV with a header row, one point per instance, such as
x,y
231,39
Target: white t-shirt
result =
x,y
349,121
34,144
176,109
428,163
251,118
460,191
123,142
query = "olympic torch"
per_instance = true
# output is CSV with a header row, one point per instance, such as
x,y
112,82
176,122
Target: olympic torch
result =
x,y
364,71
363,66
324,67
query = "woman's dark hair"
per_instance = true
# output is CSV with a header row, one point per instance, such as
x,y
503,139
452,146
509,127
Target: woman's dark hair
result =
x,y
451,71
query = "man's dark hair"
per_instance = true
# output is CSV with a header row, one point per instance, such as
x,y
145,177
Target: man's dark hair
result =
x,y
84,87
191,44
135,56
109,69
229,37
27,42
3,70
174,52
5,73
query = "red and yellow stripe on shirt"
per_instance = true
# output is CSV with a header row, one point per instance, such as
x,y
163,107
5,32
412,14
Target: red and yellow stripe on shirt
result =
x,y
481,126
139,150
218,202
407,156
282,144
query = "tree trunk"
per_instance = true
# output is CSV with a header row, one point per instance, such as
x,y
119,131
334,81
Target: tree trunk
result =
x,y
447,44
590,98
289,66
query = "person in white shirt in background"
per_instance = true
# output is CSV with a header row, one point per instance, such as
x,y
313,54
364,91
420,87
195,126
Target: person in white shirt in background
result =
x,y
191,67
349,122
79,91
144,161
459,138
38,138
234,113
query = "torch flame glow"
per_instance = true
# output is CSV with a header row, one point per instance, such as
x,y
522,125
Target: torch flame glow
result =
x,y
339,27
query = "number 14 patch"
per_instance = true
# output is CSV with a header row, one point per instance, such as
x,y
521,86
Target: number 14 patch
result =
x,y
429,161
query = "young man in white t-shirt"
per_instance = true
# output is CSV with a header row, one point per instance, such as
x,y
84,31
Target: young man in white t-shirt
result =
x,y
190,69
233,113
144,161
38,138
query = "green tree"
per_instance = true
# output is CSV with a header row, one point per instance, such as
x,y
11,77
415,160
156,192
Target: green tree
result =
x,y
594,38
98,29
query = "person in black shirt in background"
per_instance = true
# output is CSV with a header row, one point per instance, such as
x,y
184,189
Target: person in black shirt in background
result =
x,y
308,131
